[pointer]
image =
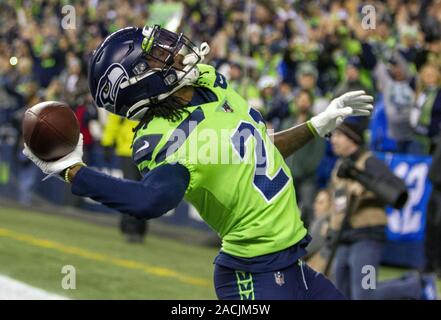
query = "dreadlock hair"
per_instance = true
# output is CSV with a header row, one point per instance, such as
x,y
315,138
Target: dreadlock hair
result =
x,y
172,108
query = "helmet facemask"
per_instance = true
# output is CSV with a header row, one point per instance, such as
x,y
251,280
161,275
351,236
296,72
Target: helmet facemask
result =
x,y
169,55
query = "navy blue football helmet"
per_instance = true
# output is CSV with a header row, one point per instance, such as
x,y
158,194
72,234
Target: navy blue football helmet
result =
x,y
134,68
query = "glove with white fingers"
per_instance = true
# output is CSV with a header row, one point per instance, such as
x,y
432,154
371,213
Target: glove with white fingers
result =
x,y
55,168
352,103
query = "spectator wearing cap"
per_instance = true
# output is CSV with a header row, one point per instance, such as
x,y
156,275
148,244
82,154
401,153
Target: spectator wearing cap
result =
x,y
363,235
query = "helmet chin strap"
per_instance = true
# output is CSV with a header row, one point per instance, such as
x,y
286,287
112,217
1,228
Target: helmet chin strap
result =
x,y
189,62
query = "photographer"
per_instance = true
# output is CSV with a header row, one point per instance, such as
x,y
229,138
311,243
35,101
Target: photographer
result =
x,y
362,219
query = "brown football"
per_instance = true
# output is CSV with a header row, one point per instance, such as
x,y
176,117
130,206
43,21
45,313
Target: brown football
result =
x,y
51,130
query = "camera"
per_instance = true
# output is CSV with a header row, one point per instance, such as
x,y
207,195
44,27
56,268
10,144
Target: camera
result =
x,y
391,190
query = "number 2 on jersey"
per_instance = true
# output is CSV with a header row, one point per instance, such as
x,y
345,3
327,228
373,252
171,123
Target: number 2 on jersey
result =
x,y
269,187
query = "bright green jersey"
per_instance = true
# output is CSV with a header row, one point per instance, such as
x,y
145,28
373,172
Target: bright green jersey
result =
x,y
239,182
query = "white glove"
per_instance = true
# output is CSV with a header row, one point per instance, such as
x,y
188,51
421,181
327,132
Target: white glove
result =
x,y
352,103
54,168
191,73
192,58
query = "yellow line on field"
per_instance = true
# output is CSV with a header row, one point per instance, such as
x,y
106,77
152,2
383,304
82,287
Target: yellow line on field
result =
x,y
95,256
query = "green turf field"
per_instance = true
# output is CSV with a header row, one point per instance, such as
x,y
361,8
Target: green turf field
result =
x,y
35,246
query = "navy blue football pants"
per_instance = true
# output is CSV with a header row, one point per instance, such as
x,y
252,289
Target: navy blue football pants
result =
x,y
296,282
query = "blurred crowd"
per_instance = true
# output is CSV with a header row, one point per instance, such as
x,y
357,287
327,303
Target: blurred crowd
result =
x,y
288,58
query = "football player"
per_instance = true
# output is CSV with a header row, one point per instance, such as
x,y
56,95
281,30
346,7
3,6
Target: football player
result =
x,y
243,191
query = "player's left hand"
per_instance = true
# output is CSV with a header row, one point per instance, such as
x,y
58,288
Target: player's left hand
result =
x,y
54,168
352,103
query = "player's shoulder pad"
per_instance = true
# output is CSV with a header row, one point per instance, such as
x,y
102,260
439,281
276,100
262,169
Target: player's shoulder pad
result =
x,y
208,76
205,70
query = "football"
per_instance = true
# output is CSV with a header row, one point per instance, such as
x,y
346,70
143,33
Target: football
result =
x,y
51,130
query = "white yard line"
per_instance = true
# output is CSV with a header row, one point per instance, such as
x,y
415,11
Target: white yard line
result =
x,y
11,289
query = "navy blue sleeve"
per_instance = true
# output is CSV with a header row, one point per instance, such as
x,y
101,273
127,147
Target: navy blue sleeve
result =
x,y
158,192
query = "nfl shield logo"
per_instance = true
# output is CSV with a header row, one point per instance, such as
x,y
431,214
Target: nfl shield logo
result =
x,y
279,277
227,107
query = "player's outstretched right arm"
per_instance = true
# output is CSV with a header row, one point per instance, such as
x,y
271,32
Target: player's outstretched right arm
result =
x,y
158,192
